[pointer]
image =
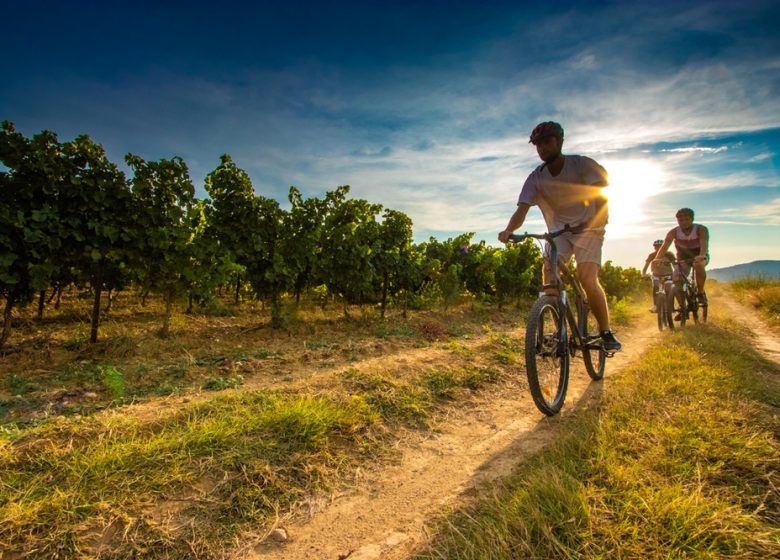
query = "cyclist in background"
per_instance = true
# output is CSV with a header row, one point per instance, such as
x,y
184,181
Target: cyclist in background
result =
x,y
568,191
692,243
659,270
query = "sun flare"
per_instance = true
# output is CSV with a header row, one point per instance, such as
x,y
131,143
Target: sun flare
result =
x,y
631,184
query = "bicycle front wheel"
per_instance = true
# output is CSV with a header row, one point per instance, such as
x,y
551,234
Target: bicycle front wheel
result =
x,y
547,355
693,306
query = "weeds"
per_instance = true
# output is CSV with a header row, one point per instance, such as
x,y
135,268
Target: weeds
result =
x,y
763,294
113,381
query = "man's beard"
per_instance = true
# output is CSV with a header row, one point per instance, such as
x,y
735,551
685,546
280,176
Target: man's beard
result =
x,y
551,158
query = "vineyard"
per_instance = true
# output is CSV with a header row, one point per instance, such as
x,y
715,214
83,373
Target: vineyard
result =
x,y
71,219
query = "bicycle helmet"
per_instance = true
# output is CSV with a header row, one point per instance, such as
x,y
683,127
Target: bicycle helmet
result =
x,y
658,242
683,211
545,129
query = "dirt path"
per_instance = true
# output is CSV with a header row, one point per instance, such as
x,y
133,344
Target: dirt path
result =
x,y
766,342
384,515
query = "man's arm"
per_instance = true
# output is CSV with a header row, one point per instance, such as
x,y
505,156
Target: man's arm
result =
x,y
704,242
515,222
667,243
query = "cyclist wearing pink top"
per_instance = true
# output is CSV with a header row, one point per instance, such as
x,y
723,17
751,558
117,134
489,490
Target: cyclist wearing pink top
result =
x,y
692,242
568,191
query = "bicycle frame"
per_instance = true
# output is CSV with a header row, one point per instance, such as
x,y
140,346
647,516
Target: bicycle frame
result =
x,y
560,280
663,299
689,302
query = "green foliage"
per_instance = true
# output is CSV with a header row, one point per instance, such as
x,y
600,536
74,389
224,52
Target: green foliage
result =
x,y
222,383
620,311
619,282
348,243
113,381
518,272
168,214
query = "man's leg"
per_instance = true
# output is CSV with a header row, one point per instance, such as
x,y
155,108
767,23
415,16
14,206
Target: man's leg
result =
x,y
588,273
655,283
547,280
701,275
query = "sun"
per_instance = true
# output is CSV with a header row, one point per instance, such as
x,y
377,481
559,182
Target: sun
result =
x,y
631,184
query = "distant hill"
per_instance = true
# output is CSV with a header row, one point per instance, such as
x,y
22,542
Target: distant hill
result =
x,y
769,269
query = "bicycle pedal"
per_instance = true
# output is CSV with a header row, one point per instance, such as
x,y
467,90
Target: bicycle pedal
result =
x,y
610,353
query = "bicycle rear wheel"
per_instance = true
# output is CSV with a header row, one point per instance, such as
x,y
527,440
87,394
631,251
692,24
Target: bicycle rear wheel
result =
x,y
669,308
660,309
547,355
704,306
593,353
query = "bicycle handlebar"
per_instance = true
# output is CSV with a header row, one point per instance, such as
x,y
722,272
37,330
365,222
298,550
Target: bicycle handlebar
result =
x,y
549,236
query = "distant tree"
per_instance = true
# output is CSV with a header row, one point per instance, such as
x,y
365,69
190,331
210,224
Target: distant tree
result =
x,y
306,219
166,213
30,237
268,264
231,212
620,282
98,220
210,266
391,254
347,242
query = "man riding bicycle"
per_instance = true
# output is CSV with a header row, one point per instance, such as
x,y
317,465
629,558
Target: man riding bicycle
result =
x,y
568,191
692,242
660,267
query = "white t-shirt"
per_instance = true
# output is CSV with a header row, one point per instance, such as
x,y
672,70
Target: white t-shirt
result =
x,y
573,197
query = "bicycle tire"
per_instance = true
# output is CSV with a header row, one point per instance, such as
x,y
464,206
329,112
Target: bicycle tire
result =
x,y
547,355
704,307
660,309
670,309
693,307
595,357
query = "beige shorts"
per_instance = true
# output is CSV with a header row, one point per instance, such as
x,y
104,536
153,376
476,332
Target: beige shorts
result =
x,y
585,246
684,266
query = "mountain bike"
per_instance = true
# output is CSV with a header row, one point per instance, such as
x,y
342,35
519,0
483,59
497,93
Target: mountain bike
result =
x,y
557,328
689,302
663,297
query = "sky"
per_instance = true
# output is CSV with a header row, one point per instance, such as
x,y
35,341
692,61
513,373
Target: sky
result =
x,y
426,107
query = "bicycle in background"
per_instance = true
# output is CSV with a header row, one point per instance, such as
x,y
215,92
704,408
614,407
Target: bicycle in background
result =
x,y
663,296
559,326
690,304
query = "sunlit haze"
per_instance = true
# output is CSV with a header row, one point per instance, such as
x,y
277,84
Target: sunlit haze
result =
x,y
633,186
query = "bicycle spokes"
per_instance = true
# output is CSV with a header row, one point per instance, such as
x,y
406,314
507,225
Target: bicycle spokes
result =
x,y
547,355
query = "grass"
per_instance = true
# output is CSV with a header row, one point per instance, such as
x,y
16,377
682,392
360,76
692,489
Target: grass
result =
x,y
65,482
192,476
761,293
681,459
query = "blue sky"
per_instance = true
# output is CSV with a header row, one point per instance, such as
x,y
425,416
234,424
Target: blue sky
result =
x,y
425,107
